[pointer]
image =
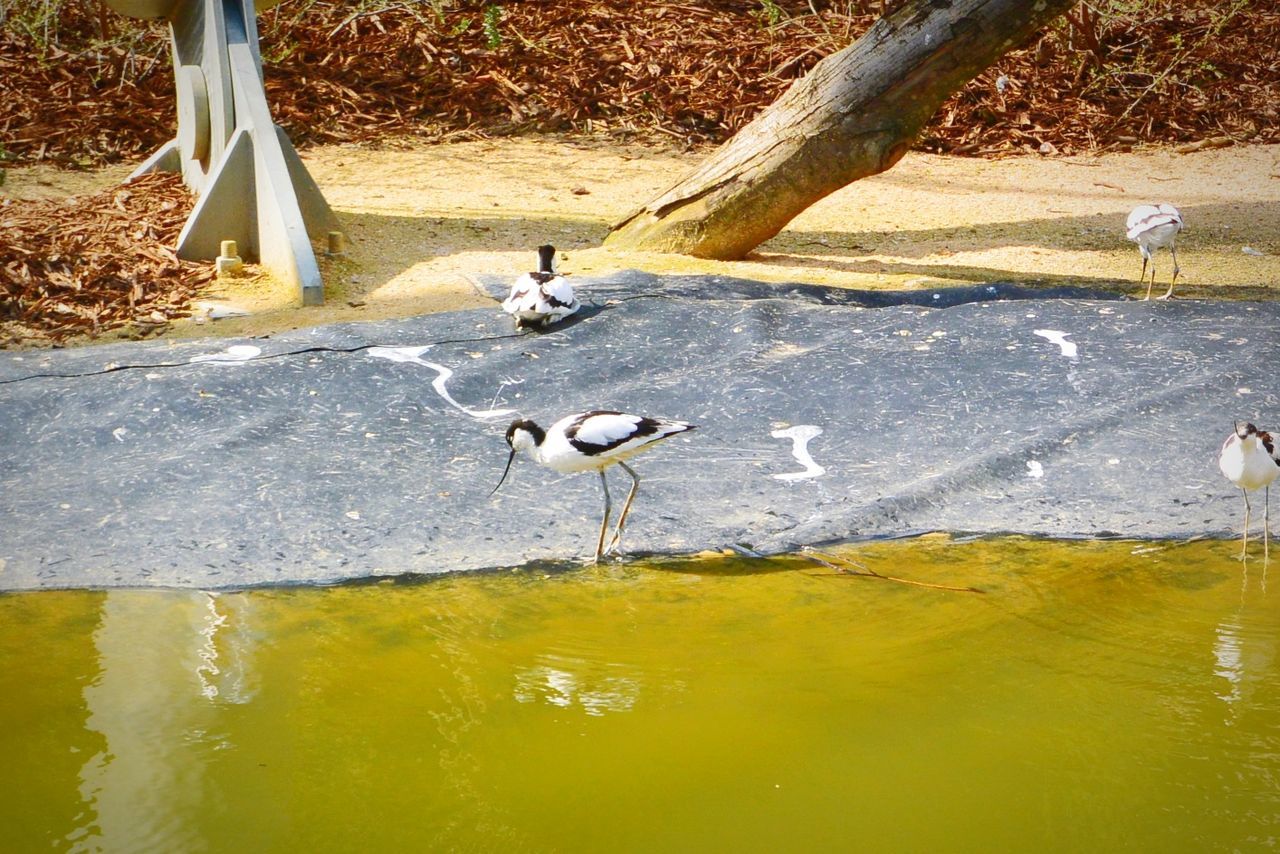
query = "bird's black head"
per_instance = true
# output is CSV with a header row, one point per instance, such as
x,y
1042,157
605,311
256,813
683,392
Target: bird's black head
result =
x,y
546,258
521,435
536,432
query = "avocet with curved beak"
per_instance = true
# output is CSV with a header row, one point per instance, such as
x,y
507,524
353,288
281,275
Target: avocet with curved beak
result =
x,y
1154,227
592,441
543,297
1248,459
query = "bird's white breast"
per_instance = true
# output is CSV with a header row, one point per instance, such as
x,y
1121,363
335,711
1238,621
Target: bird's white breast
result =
x,y
1246,463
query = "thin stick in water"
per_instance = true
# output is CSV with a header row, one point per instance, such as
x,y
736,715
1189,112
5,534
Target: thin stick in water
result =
x,y
846,567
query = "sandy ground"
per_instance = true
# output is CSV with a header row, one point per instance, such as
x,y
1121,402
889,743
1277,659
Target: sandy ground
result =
x,y
422,220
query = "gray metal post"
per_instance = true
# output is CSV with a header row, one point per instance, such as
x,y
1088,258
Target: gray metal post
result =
x,y
252,186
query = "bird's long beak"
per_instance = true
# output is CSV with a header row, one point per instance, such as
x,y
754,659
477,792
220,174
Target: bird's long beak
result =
x,y
511,457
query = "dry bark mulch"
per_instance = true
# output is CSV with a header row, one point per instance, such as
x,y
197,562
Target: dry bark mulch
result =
x,y
93,87
82,266
1203,73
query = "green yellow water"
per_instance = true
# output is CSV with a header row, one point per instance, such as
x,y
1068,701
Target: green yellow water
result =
x,y
1095,697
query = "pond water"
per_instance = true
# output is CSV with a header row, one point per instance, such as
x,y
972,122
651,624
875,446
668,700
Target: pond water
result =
x,y
1094,696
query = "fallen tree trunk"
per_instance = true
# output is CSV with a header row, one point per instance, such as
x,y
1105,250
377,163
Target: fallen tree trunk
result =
x,y
855,114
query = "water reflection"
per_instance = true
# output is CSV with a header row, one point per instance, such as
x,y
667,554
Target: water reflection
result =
x,y
1244,647
565,683
1226,650
163,661
225,668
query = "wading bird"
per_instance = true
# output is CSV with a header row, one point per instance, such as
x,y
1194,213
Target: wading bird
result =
x,y
543,297
592,441
1248,458
1154,227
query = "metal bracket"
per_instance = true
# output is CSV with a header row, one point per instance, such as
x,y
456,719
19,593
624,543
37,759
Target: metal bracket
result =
x,y
252,186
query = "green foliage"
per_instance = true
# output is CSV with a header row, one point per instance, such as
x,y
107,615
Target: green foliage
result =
x,y
437,8
42,26
35,19
276,52
460,26
492,26
770,12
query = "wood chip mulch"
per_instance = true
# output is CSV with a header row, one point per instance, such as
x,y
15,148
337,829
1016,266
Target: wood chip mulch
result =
x,y
82,266
94,88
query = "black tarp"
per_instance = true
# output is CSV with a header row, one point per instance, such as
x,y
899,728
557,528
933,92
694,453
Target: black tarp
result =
x,y
369,449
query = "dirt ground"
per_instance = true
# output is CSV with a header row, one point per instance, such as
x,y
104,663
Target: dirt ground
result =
x,y
422,220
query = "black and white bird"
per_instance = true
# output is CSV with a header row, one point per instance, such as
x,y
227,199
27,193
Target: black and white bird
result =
x,y
1248,458
592,441
543,297
1154,227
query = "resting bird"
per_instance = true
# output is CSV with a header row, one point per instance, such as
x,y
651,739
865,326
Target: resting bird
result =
x,y
592,441
1249,460
1154,227
541,298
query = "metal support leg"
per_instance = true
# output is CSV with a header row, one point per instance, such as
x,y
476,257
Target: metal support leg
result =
x,y
252,186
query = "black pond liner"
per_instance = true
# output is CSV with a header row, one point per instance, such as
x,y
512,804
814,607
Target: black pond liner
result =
x,y
369,449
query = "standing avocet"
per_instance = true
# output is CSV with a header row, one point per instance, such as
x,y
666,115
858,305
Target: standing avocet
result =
x,y
542,297
592,441
1154,227
1248,458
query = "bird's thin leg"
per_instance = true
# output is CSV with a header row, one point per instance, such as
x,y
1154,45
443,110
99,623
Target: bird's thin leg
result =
x,y
626,508
1143,277
1174,252
1244,545
604,523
